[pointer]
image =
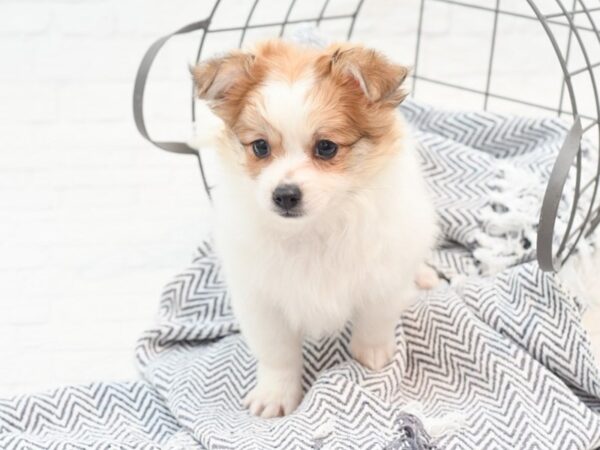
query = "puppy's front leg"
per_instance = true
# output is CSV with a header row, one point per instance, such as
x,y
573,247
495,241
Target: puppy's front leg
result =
x,y
278,390
373,333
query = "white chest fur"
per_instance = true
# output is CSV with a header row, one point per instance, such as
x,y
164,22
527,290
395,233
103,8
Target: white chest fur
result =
x,y
317,274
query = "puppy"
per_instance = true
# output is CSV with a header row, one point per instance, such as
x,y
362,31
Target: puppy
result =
x,y
322,215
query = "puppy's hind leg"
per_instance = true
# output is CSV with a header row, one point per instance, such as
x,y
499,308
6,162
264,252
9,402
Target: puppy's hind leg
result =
x,y
373,334
278,349
426,278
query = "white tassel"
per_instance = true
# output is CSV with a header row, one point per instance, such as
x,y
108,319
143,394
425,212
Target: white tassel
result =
x,y
439,426
509,219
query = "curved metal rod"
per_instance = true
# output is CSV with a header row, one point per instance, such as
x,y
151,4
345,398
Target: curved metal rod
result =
x,y
354,16
567,57
552,197
507,13
595,90
488,81
545,238
139,89
207,187
418,47
572,13
248,19
576,196
322,12
287,17
199,52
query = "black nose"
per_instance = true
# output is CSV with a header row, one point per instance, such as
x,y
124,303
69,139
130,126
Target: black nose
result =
x,y
287,196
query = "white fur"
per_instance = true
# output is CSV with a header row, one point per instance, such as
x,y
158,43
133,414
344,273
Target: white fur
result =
x,y
353,257
285,107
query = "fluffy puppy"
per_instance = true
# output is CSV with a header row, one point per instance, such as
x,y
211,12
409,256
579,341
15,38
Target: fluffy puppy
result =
x,y
322,215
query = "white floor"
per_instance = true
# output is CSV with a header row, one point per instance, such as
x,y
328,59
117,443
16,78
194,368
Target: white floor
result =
x,y
94,220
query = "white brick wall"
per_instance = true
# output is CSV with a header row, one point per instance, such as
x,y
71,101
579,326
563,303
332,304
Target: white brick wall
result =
x,y
93,220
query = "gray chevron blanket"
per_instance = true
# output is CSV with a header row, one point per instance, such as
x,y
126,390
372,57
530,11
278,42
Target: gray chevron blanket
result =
x,y
496,358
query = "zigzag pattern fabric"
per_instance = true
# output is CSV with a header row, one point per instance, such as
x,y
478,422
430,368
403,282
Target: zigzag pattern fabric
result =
x,y
488,173
483,362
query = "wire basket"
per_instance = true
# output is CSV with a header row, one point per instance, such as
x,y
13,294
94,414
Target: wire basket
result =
x,y
571,32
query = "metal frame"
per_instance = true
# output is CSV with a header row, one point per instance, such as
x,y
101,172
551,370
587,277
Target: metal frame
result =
x,y
569,162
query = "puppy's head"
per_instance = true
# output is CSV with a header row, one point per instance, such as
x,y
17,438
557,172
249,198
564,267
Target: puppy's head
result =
x,y
308,127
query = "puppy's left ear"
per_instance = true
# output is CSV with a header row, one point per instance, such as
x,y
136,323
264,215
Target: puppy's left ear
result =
x,y
380,79
215,78
224,82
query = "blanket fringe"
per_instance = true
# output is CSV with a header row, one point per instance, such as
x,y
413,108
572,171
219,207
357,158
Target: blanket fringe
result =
x,y
509,221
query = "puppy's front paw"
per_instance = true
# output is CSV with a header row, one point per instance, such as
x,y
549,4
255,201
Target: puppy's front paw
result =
x,y
427,278
374,357
273,400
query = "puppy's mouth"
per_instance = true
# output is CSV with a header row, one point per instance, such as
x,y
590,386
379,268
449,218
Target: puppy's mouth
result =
x,y
289,214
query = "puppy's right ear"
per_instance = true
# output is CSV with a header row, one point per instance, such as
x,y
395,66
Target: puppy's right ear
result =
x,y
221,78
380,80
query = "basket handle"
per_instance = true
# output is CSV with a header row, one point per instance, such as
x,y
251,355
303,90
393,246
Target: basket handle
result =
x,y
140,87
552,196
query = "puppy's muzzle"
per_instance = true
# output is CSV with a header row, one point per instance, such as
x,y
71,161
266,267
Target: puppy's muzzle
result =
x,y
288,199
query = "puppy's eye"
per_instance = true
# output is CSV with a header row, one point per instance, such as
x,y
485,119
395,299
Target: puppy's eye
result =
x,y
261,148
326,149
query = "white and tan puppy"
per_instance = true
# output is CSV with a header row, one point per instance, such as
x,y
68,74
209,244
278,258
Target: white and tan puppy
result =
x,y
322,213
